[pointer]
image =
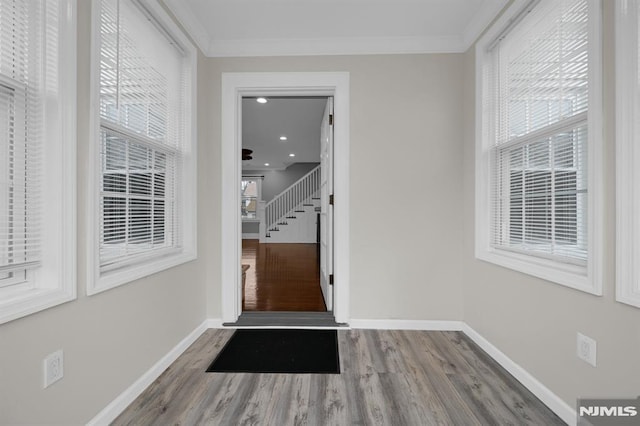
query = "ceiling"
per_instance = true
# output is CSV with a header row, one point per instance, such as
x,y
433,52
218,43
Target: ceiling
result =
x,y
228,28
298,119
326,27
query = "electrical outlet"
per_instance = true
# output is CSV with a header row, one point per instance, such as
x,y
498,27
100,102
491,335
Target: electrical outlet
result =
x,y
53,368
586,349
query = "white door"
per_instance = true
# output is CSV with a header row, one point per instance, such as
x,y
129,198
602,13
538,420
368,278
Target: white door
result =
x,y
326,210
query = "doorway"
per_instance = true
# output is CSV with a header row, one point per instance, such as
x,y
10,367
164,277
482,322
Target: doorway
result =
x,y
235,86
282,203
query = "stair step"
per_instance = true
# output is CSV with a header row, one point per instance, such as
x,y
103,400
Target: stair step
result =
x,y
315,198
291,217
300,211
310,205
283,223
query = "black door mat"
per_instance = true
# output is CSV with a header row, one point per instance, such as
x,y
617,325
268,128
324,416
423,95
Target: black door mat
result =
x,y
279,351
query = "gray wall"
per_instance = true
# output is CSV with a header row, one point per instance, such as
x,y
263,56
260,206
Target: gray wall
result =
x,y
406,156
109,339
276,181
534,321
250,227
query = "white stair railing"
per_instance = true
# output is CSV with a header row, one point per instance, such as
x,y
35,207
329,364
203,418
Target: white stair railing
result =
x,y
292,198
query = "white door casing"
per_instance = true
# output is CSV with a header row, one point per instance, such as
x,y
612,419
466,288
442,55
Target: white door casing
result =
x,y
326,209
234,87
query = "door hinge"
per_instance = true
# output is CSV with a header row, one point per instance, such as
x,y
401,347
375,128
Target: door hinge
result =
x,y
331,199
330,119
331,279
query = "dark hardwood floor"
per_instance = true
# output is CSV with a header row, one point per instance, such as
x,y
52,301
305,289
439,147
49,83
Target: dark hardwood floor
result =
x,y
281,277
387,378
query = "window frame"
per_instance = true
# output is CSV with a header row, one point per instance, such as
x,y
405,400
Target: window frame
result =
x,y
131,139
16,90
627,154
585,278
54,281
145,265
258,198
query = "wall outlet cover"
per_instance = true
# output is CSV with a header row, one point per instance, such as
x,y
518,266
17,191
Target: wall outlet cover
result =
x,y
586,349
53,368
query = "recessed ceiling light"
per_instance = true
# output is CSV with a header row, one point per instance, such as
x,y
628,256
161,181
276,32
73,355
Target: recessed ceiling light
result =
x,y
261,100
266,164
283,138
292,155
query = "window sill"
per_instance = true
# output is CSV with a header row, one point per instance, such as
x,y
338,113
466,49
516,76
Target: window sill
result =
x,y
568,275
20,302
628,296
126,274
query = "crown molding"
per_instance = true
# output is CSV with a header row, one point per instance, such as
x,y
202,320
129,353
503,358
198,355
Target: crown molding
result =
x,y
481,20
184,14
334,46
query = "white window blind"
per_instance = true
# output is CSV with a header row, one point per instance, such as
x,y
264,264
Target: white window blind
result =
x,y
22,73
141,136
539,87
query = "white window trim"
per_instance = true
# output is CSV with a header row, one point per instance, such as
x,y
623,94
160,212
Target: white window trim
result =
x,y
627,155
587,279
55,282
96,282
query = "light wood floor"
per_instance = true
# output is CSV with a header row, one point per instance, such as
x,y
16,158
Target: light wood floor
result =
x,y
388,378
281,277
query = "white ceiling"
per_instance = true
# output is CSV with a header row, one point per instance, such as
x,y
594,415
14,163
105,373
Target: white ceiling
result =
x,y
321,27
298,119
226,28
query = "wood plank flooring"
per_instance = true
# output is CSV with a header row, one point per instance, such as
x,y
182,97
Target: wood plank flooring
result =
x,y
281,277
387,378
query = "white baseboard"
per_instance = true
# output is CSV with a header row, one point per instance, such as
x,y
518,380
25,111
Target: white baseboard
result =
x,y
250,236
214,323
118,405
397,324
550,399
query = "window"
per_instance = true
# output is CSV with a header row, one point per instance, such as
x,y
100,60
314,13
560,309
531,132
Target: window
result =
x,y
37,155
628,152
537,192
251,195
144,195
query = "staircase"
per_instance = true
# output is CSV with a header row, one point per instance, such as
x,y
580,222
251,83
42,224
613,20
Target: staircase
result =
x,y
292,215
